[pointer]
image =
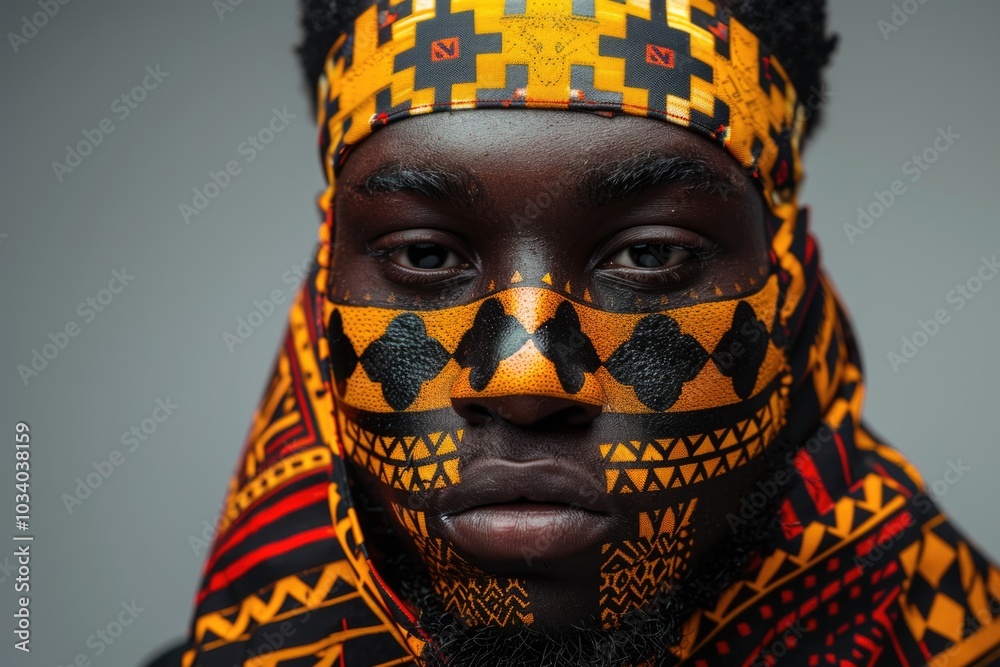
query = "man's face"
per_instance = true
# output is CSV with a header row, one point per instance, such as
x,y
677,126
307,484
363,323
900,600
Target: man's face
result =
x,y
544,327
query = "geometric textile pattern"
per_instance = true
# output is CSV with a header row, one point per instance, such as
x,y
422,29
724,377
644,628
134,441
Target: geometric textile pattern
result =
x,y
474,596
411,463
288,558
865,569
657,360
683,61
538,341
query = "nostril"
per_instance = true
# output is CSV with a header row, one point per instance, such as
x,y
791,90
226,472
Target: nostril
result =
x,y
573,416
471,411
582,416
479,412
543,412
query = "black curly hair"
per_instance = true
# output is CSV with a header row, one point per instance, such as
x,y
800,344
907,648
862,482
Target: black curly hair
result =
x,y
795,30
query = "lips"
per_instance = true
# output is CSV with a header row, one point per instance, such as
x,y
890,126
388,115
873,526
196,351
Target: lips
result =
x,y
509,511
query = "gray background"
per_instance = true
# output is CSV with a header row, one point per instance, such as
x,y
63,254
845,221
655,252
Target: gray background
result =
x,y
162,336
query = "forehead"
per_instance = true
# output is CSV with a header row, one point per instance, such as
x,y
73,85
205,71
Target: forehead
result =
x,y
523,144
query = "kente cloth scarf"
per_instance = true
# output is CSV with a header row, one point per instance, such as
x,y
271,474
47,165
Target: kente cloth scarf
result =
x,y
863,570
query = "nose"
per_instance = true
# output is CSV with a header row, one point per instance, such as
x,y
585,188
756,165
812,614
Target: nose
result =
x,y
525,361
526,410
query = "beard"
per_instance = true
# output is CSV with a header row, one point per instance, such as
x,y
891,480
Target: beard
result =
x,y
646,635
642,636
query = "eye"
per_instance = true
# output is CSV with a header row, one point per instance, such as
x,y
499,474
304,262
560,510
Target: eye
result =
x,y
651,256
426,257
426,260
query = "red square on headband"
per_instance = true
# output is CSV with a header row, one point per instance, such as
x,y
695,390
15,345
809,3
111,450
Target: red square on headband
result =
x,y
659,55
444,49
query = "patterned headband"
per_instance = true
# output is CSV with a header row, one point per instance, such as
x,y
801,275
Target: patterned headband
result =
x,y
684,61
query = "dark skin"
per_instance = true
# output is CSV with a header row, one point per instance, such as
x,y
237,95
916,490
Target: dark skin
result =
x,y
436,211
522,158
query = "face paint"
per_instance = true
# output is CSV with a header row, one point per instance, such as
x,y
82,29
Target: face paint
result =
x,y
476,597
634,571
396,373
687,396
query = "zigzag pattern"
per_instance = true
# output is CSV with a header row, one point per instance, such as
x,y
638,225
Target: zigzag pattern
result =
x,y
410,463
229,624
670,463
489,601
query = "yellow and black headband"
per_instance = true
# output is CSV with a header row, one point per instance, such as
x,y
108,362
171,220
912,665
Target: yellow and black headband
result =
x,y
684,61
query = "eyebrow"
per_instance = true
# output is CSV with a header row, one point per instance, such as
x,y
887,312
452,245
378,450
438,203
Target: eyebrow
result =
x,y
603,184
453,186
611,182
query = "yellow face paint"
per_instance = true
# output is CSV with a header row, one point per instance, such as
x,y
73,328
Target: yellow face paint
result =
x,y
401,364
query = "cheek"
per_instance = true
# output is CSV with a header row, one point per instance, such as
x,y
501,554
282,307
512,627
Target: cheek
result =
x,y
667,539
